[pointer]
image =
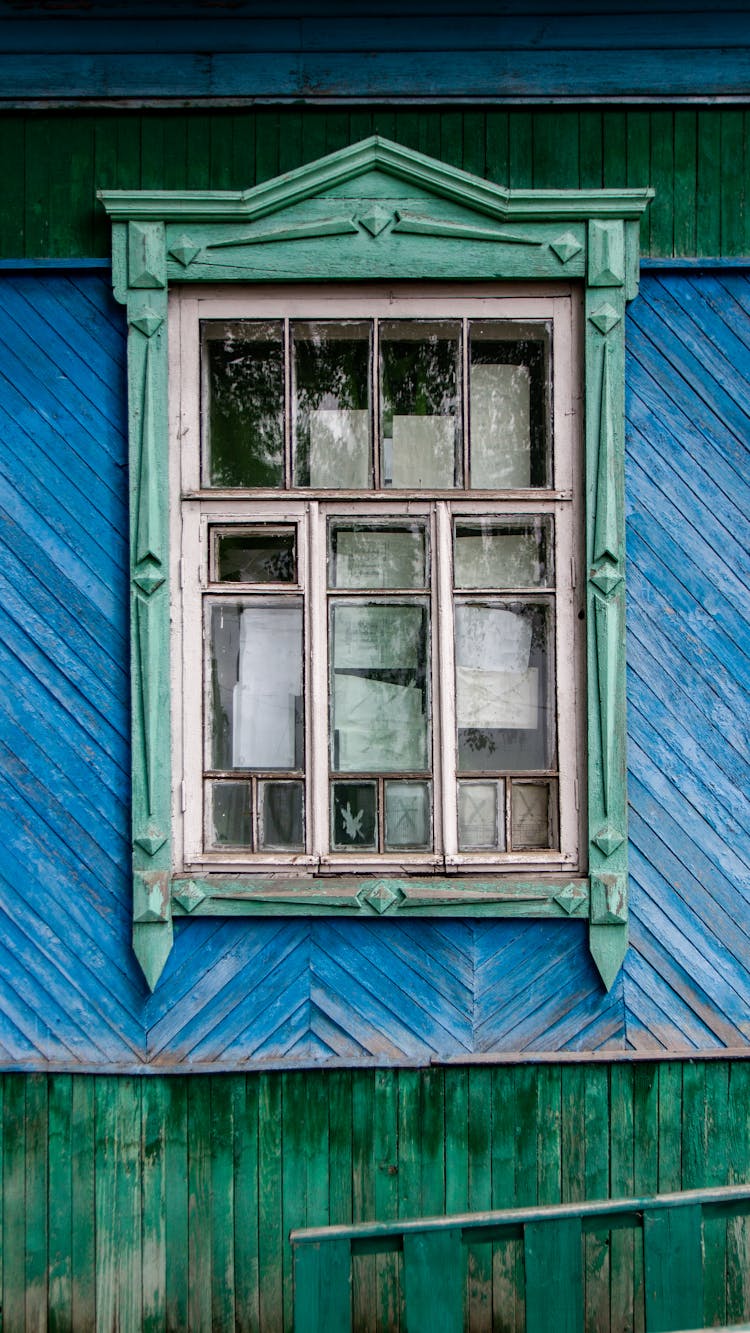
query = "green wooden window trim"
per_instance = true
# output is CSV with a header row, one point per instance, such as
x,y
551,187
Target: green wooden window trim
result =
x,y
380,212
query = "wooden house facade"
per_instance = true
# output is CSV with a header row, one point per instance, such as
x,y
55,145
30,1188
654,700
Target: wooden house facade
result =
x,y
283,1066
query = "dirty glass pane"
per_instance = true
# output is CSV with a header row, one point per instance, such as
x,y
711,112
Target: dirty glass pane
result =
x,y
420,404
332,409
281,816
407,816
514,554
243,411
386,556
256,685
504,687
532,815
354,816
379,688
509,405
257,556
230,814
481,816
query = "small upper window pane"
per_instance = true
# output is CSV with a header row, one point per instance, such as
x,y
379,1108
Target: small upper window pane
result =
x,y
509,406
420,404
243,409
387,555
255,555
513,554
332,405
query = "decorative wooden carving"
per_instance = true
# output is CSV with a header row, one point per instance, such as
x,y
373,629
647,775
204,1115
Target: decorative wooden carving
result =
x,y
594,235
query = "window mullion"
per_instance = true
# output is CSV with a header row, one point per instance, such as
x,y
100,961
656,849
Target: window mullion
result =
x,y
444,684
317,669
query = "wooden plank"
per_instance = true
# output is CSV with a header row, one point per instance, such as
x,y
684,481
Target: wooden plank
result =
x,y
709,175
594,1095
556,149
156,1112
176,1204
84,1208
200,1236
507,1263
37,1183
410,1146
338,1085
271,1239
718,1161
733,185
223,1204
554,1277
479,1267
385,1193
645,1163
662,173
738,1159
621,1151
685,132
364,1277
590,149
293,1175
674,1268
434,1082
14,1200
318,1147
12,168
60,1205
434,1282
322,1287
247,1271
118,1203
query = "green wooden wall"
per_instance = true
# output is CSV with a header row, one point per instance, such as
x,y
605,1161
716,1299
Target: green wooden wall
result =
x,y
166,1202
51,163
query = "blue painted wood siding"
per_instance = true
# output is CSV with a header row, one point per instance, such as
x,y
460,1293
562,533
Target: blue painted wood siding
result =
x,y
420,50
236,993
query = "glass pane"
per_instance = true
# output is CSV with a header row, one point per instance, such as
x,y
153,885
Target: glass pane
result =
x,y
517,554
392,556
407,815
230,814
260,556
379,689
481,817
420,414
256,675
332,405
281,815
354,819
244,383
532,816
504,692
509,406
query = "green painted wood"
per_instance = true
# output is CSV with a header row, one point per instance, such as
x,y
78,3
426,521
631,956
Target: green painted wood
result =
x,y
14,1200
674,1268
246,1266
60,1208
223,1211
84,1260
322,1287
37,1186
200,1229
176,1202
554,1277
155,1114
271,1239
433,1282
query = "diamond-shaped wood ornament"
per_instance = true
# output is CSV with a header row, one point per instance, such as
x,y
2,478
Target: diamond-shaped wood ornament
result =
x,y
188,895
148,322
184,250
376,220
566,246
606,578
571,897
605,318
148,581
608,839
381,896
150,841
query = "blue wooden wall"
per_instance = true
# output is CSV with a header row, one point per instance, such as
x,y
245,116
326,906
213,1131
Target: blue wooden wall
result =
x,y
235,993
407,50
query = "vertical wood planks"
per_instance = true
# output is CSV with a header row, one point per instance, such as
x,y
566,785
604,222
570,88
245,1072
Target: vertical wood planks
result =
x,y
322,1287
433,1281
554,1276
169,1200
674,1268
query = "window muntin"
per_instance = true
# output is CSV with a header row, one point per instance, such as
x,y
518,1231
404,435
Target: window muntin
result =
x,y
504,803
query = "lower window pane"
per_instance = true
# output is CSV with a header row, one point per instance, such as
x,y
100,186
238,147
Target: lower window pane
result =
x,y
281,816
481,816
533,815
354,817
230,814
256,673
407,815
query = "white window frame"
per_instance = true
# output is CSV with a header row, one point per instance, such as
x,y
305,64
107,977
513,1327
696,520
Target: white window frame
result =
x,y
196,507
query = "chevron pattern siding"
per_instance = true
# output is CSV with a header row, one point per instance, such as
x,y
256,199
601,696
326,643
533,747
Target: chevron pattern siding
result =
x,y
235,994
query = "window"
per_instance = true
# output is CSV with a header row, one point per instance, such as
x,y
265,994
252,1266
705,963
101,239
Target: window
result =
x,y
380,521
377,657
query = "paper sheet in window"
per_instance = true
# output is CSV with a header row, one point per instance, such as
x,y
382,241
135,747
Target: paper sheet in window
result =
x,y
497,698
424,452
500,426
530,815
379,726
492,639
477,815
379,637
372,559
340,448
268,687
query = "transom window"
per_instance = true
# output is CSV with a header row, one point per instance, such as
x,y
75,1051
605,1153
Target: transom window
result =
x,y
379,517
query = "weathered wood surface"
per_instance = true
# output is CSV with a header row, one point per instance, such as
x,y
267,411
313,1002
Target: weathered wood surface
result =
x,y
168,1201
692,157
525,51
238,991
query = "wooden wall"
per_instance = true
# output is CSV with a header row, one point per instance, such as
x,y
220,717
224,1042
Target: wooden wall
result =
x,y
166,1203
698,161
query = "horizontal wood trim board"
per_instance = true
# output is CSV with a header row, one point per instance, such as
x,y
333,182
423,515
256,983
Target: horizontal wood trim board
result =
x,y
168,1202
